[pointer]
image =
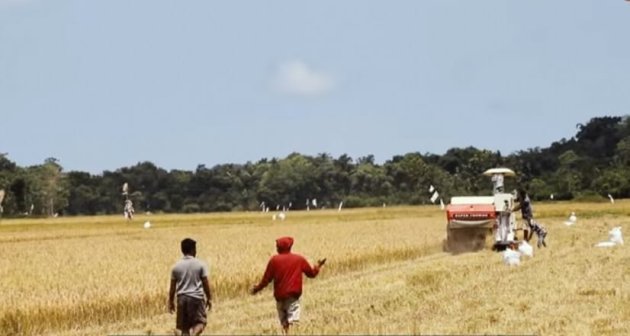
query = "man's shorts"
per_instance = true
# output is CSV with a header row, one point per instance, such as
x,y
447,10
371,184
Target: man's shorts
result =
x,y
288,310
190,312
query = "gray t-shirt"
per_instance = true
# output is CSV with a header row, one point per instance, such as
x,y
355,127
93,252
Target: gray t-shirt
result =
x,y
188,272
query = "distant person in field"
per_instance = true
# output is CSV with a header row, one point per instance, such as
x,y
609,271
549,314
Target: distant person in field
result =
x,y
189,282
285,270
129,211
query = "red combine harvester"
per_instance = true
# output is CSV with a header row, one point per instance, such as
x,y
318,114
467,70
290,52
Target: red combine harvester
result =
x,y
471,218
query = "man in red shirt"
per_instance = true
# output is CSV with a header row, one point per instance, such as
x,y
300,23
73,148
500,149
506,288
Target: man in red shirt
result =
x,y
285,269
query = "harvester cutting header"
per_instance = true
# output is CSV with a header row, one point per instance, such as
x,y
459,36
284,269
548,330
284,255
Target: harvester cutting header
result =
x,y
472,218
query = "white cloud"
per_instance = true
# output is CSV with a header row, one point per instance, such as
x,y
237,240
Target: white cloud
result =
x,y
297,78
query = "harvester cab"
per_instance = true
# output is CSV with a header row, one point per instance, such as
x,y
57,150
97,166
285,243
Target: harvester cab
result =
x,y
471,218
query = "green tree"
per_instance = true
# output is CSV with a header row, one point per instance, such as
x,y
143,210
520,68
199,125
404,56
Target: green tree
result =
x,y
47,187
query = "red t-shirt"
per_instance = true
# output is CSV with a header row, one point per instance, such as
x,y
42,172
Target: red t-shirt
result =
x,y
285,269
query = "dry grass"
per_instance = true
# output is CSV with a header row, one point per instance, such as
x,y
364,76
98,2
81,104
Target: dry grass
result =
x,y
385,274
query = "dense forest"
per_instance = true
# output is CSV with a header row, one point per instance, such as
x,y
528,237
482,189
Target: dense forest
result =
x,y
590,165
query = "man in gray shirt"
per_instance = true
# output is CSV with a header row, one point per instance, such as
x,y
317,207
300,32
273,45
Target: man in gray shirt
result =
x,y
189,280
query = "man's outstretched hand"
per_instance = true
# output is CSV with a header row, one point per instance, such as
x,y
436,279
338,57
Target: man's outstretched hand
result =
x,y
321,262
253,290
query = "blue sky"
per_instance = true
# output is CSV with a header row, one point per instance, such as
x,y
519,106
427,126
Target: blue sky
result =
x,y
106,84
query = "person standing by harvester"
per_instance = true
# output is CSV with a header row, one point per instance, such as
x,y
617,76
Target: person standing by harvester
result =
x,y
525,205
285,270
189,281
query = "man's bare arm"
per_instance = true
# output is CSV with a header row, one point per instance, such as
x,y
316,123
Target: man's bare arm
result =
x,y
517,207
206,289
171,296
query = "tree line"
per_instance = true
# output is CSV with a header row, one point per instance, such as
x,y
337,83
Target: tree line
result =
x,y
590,165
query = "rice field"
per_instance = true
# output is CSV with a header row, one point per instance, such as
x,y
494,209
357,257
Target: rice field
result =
x,y
386,274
